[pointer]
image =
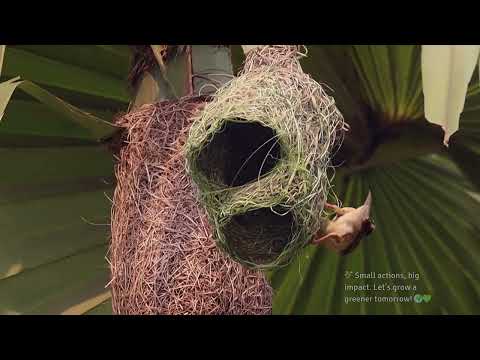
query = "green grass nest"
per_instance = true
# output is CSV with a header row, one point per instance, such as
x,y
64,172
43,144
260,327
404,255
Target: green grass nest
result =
x,y
259,153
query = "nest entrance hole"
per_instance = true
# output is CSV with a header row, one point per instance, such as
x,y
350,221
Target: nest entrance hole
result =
x,y
239,153
260,235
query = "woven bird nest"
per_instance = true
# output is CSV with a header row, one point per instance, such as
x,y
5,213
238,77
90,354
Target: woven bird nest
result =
x,y
259,153
163,257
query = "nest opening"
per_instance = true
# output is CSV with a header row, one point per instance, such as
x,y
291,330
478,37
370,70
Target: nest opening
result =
x,y
261,235
275,122
239,153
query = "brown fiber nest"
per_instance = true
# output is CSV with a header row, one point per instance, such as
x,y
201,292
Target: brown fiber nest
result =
x,y
163,257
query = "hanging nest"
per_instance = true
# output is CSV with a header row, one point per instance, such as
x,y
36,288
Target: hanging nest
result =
x,y
259,153
163,256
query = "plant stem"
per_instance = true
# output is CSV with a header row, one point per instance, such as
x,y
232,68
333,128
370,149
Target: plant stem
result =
x,y
400,142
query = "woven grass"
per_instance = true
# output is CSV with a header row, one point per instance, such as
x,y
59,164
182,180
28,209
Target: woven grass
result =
x,y
163,256
259,154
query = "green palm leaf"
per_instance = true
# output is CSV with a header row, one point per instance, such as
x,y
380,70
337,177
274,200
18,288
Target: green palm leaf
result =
x,y
465,143
56,181
423,206
390,79
97,128
440,244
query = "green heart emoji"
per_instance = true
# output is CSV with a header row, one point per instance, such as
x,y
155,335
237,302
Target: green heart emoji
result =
x,y
427,298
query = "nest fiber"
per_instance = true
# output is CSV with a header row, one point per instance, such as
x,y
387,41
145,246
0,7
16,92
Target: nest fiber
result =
x,y
163,256
259,153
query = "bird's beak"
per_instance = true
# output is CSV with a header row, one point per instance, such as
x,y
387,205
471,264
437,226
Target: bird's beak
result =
x,y
367,205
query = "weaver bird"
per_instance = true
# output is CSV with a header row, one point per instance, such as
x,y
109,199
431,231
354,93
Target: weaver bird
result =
x,y
347,229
